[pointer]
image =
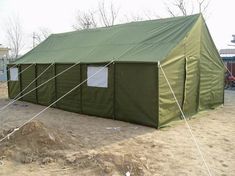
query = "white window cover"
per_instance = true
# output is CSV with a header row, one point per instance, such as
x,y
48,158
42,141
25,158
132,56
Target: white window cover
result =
x,y
100,79
14,74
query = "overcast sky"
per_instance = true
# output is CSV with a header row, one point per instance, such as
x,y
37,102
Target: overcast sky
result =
x,y
59,15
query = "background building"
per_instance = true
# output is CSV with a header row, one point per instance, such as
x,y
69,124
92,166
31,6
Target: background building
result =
x,y
228,56
4,60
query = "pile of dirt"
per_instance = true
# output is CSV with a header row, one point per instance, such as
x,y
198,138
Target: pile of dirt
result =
x,y
33,142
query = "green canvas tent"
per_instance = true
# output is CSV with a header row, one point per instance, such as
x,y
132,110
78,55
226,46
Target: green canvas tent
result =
x,y
132,88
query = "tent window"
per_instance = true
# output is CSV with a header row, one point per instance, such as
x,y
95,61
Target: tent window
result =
x,y
97,76
14,75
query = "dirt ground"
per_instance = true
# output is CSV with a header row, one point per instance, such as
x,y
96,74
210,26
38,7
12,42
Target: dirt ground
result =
x,y
69,144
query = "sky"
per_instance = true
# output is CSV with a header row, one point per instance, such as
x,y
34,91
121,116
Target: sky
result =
x,y
59,15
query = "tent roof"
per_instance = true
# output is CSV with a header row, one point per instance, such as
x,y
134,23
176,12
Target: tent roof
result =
x,y
145,41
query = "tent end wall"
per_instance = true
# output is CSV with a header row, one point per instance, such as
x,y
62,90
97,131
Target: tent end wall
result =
x,y
200,61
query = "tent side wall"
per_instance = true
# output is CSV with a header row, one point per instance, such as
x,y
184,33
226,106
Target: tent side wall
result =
x,y
131,94
136,93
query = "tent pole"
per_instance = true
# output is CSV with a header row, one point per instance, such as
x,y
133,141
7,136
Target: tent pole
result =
x,y
55,82
36,82
114,91
20,81
81,78
8,77
158,95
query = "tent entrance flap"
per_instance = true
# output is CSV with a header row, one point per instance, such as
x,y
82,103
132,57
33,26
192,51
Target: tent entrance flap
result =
x,y
190,104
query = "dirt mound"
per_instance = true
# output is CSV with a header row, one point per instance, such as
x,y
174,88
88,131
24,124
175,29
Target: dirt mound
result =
x,y
36,136
34,141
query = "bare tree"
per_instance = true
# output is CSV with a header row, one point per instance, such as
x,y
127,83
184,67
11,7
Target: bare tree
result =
x,y
85,20
146,15
132,18
105,15
203,5
179,7
108,16
14,34
186,7
150,15
40,36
